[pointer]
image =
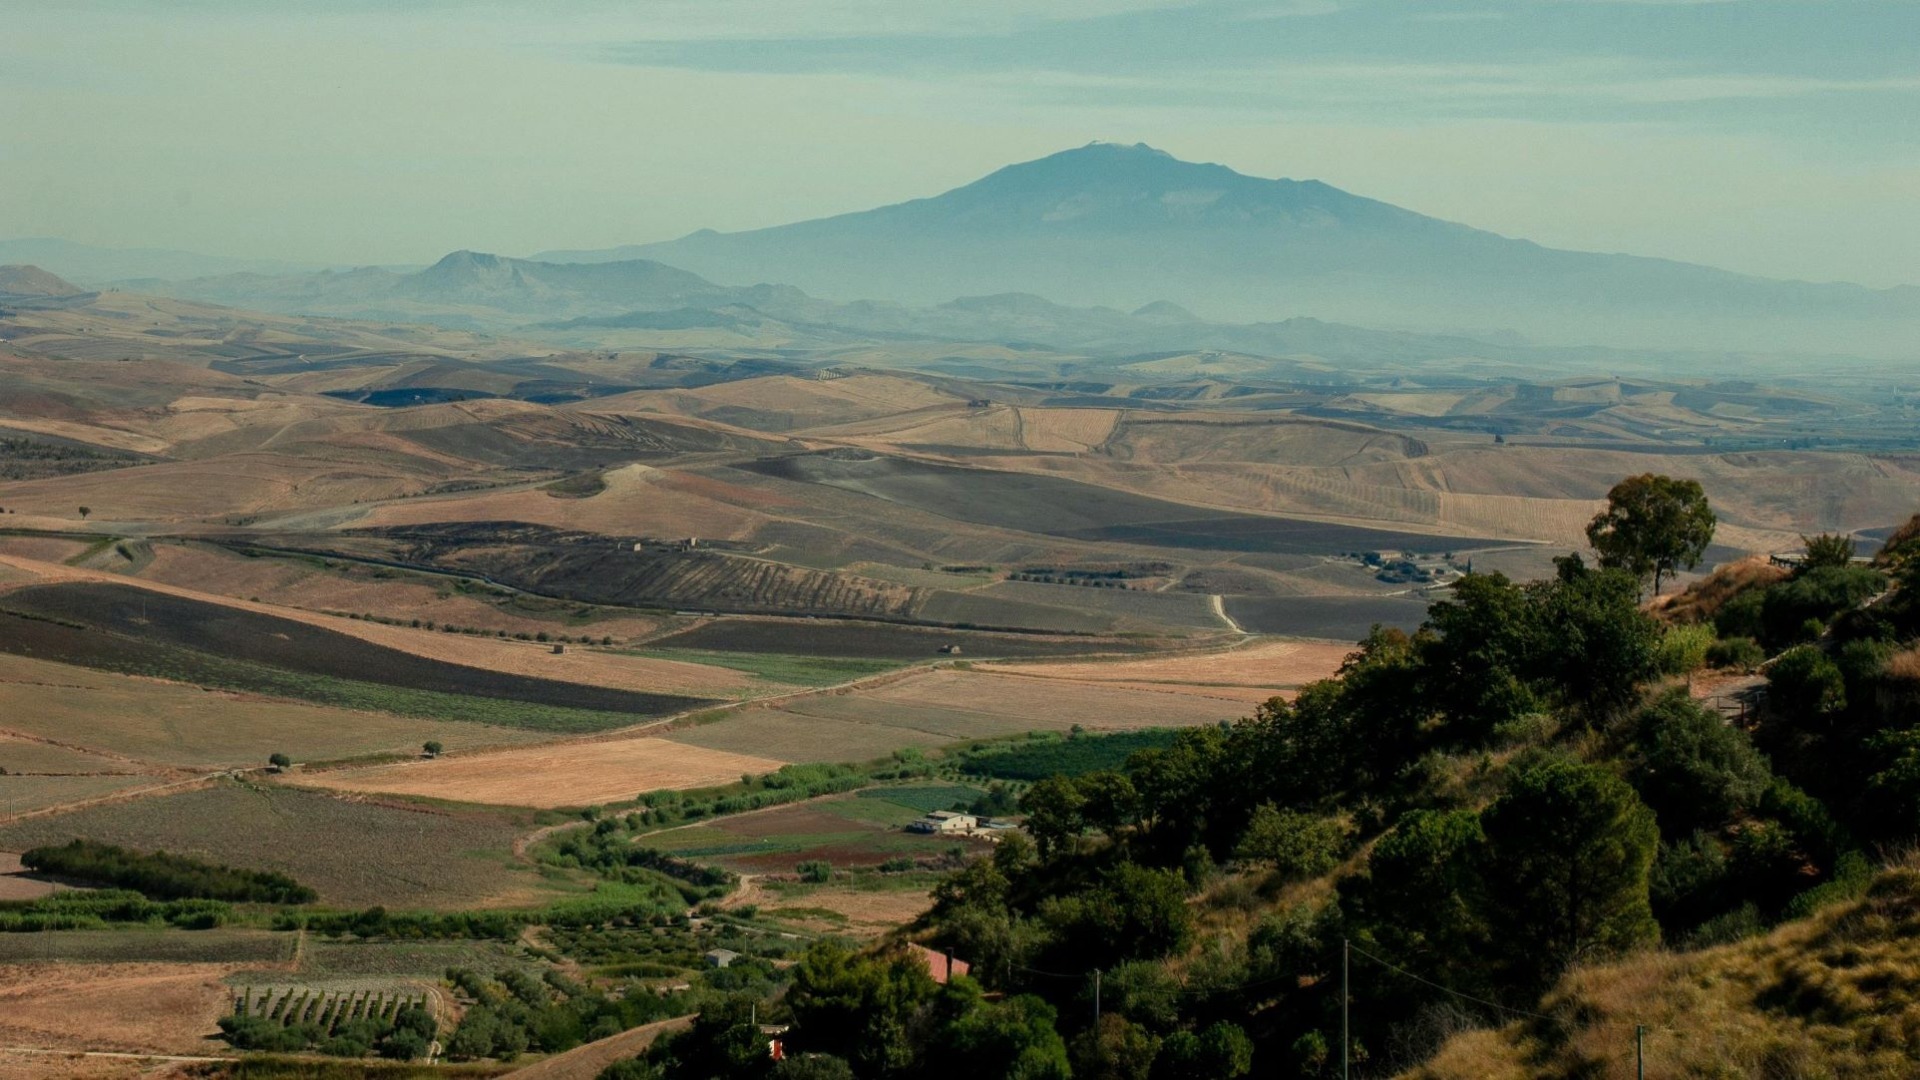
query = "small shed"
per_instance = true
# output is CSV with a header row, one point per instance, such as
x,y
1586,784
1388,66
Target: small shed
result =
x,y
720,958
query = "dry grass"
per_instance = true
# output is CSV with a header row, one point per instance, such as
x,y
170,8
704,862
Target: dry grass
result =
x,y
1835,995
141,1008
1703,599
287,583
566,774
1254,673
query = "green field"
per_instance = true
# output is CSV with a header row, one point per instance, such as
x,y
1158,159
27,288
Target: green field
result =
x,y
925,798
1039,758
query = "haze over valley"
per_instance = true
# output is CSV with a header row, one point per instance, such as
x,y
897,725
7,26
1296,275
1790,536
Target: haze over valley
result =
x,y
1112,540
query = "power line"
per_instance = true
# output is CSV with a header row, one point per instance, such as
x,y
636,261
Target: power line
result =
x,y
1447,989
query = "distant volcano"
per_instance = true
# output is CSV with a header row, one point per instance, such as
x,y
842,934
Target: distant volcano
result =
x,y
1130,225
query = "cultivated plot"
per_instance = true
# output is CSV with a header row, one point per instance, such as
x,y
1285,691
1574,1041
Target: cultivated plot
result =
x,y
565,774
355,851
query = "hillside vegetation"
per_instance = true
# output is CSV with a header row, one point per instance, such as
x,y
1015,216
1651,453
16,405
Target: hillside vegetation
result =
x,y
1495,846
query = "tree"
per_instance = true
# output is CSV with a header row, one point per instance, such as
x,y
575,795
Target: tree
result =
x,y
1692,768
84,511
279,761
1114,1049
432,747
1222,1050
1015,1038
1565,872
1827,549
1054,813
1653,525
859,1007
1297,845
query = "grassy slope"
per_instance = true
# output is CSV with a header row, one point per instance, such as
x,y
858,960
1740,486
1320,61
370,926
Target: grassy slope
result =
x,y
1834,995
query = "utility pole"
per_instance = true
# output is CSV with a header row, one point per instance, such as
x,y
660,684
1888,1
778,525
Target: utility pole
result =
x,y
1346,960
1640,1051
1096,997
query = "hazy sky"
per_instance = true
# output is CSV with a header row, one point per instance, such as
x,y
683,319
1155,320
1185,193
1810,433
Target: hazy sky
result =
x,y
1773,137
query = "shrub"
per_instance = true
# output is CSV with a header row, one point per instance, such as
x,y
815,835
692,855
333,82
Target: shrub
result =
x,y
1684,648
1740,654
1297,845
817,871
1804,683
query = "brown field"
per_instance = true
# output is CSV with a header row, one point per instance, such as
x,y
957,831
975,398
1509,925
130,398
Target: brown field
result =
x,y
42,548
1253,673
567,774
862,913
1003,704
939,706
791,736
289,583
665,503
177,726
28,794
140,1008
27,756
18,883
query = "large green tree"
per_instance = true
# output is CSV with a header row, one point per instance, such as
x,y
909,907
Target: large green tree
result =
x,y
1653,525
1565,873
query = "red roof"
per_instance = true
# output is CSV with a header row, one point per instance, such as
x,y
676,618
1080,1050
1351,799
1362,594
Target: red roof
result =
x,y
939,964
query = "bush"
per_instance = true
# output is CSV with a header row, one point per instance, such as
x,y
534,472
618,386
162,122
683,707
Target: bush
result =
x,y
1818,594
1805,684
1740,654
1297,845
817,871
1684,648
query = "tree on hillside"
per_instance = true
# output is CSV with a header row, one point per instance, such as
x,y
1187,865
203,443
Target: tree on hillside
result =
x,y
1695,770
432,747
84,511
1565,873
1653,525
279,761
1827,549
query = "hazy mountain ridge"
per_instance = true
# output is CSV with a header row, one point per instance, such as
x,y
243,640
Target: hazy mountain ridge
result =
x,y
1129,225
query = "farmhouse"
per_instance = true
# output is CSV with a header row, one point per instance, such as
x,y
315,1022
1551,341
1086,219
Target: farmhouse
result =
x,y
942,966
945,821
